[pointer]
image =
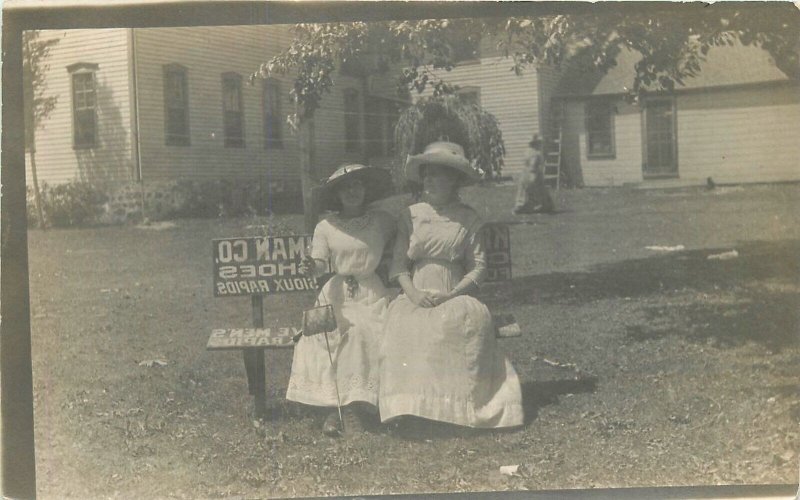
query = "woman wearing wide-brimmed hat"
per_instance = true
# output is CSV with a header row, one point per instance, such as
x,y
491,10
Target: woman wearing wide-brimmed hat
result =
x,y
440,359
350,242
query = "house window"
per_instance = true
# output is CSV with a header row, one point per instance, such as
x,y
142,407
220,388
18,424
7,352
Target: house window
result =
x,y
176,105
381,118
272,114
232,115
470,95
465,50
600,129
84,105
352,121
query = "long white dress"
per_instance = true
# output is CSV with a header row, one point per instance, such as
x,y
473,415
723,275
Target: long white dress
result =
x,y
354,248
443,363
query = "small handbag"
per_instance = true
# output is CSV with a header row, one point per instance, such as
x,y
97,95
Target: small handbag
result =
x,y
318,320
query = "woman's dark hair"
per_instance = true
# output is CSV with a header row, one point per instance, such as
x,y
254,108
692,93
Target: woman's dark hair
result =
x,y
334,204
415,188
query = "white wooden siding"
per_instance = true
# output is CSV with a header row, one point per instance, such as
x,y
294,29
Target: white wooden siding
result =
x,y
625,167
549,77
207,52
739,135
111,159
744,135
512,99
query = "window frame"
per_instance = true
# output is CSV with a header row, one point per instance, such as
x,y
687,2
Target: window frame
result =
x,y
466,93
76,70
174,139
380,119
353,137
459,48
610,109
271,110
231,141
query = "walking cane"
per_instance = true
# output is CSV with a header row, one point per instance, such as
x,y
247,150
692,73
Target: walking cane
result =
x,y
318,320
335,380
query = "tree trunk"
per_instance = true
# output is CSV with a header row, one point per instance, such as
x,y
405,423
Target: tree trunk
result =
x,y
36,195
307,180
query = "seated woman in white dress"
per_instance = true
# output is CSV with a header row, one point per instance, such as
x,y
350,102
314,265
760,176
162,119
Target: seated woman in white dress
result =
x,y
440,359
350,241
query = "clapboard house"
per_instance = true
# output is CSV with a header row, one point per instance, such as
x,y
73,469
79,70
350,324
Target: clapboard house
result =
x,y
140,110
736,121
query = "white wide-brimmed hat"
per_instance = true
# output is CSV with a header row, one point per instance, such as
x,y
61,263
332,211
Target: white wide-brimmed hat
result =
x,y
445,154
378,183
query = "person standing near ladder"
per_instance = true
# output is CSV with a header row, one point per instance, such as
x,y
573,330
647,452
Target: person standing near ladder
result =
x,y
532,193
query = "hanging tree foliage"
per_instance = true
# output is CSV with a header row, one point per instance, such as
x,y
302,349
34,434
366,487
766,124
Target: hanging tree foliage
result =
x,y
672,40
448,117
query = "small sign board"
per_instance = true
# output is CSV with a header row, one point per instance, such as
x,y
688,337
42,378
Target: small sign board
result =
x,y
260,265
498,252
240,338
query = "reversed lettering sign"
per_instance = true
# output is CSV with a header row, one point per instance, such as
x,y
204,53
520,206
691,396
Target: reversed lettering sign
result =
x,y
240,338
260,265
498,252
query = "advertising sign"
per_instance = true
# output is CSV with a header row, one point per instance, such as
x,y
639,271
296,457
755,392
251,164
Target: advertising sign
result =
x,y
240,338
260,265
498,252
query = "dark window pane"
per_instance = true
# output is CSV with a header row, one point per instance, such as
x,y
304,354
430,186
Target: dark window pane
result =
x,y
83,110
272,114
470,97
465,49
84,127
176,105
232,111
352,132
599,129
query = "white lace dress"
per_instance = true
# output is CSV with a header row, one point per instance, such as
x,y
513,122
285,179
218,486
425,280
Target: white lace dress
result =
x,y
354,248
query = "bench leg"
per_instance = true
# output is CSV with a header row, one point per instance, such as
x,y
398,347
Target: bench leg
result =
x,y
256,379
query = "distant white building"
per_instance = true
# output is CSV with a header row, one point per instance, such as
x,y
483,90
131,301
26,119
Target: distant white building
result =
x,y
166,104
737,121
159,105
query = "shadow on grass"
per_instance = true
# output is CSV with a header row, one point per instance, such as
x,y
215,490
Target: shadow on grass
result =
x,y
538,394
762,282
767,318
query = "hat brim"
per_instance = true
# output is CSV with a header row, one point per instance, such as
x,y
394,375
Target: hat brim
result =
x,y
413,163
377,181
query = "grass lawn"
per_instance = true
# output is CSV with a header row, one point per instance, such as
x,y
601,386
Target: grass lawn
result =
x,y
639,367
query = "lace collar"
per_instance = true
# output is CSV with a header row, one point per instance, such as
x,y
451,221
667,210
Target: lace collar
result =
x,y
351,223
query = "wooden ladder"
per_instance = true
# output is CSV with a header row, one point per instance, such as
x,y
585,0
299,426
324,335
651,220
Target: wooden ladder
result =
x,y
552,147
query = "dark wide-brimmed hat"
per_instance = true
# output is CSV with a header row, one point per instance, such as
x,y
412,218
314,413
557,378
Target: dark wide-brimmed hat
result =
x,y
444,154
536,142
377,181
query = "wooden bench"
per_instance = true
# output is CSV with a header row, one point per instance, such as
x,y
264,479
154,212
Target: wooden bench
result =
x,y
256,267
259,266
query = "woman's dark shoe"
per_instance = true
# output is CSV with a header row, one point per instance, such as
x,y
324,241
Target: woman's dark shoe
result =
x,y
354,420
331,427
